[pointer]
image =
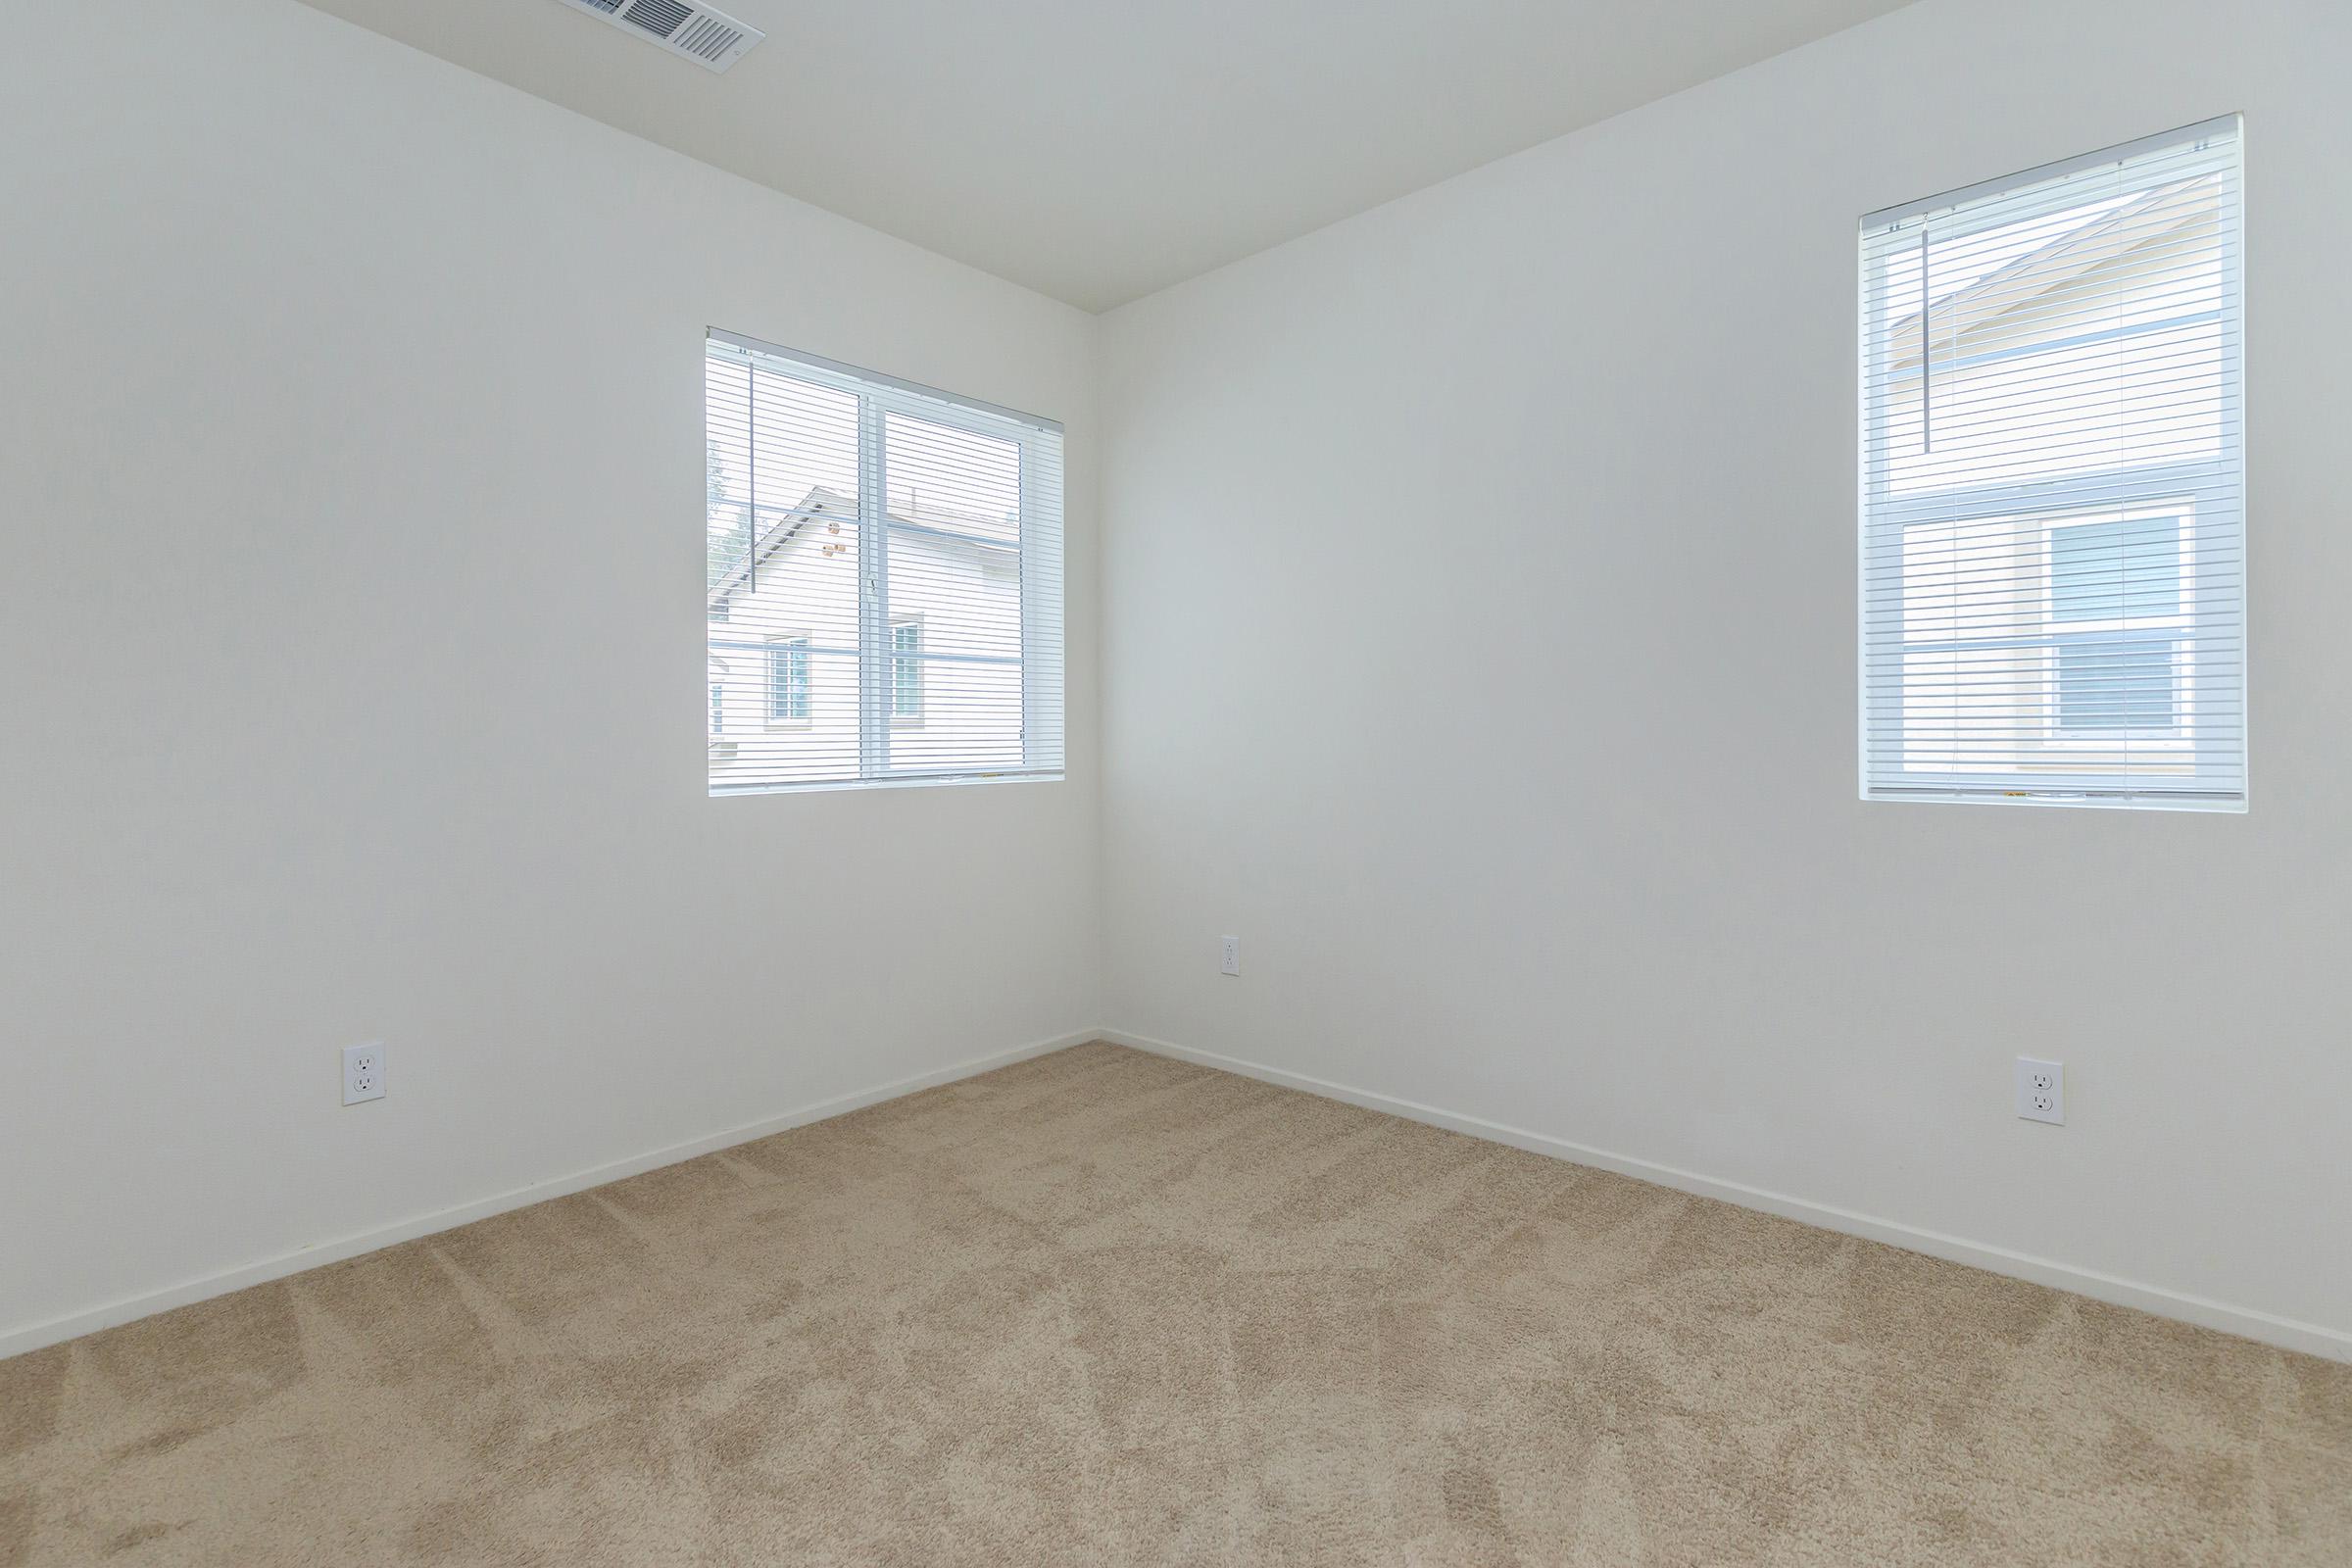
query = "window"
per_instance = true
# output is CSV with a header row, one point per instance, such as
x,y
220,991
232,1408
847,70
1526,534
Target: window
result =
x,y
907,670
892,558
2118,570
788,680
2118,687
721,747
2052,544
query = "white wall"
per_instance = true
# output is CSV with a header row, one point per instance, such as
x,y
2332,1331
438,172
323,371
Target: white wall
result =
x,y
352,658
1480,636
1479,645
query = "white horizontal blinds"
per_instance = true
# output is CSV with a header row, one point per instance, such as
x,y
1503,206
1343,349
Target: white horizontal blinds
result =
x,y
885,579
2052,577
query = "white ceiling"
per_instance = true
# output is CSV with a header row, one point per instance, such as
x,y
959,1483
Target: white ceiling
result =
x,y
1096,150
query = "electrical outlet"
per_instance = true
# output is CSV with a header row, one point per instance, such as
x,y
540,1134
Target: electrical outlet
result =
x,y
363,1072
1232,963
2042,1090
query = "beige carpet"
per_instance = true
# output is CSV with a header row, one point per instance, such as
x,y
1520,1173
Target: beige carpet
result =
x,y
1104,1308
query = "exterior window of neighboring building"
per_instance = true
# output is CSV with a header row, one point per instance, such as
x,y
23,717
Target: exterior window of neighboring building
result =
x,y
2052,579
718,708
907,670
892,559
2116,570
788,679
2118,688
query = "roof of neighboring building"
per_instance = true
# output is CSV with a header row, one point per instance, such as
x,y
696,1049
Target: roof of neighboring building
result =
x,y
829,504
2011,300
820,502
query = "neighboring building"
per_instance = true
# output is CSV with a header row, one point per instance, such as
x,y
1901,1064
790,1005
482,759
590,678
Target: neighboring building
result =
x,y
783,661
2050,586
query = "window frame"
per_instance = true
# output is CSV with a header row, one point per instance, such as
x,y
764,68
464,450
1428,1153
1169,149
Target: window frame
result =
x,y
901,663
2185,490
1035,551
789,673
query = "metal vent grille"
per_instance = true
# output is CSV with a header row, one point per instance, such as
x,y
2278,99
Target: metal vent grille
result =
x,y
661,17
708,37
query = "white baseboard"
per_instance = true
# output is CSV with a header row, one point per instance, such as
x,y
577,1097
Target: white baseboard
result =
x,y
2270,1329
16,1341
2310,1338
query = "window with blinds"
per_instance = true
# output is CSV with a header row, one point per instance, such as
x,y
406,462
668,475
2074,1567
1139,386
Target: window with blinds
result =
x,y
2053,542
884,579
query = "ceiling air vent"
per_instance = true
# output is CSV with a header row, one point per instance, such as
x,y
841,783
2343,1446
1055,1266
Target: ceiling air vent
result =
x,y
708,37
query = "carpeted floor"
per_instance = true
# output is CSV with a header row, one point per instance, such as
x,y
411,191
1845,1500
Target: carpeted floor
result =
x,y
1104,1308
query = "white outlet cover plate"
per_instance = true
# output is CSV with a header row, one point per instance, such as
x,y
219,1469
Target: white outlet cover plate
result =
x,y
2042,1090
1230,955
363,1072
